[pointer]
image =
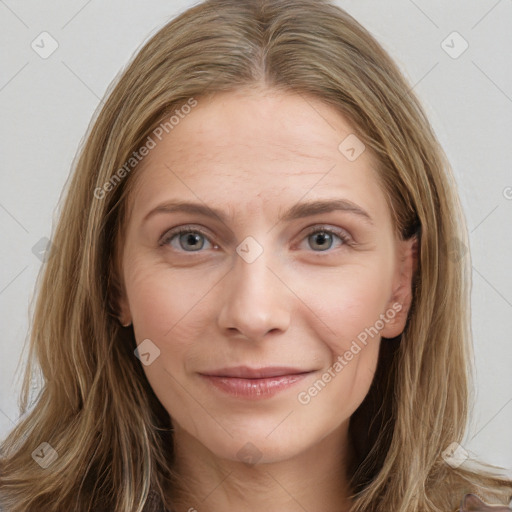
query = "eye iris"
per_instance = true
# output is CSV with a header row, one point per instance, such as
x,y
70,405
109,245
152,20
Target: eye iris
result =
x,y
322,236
192,238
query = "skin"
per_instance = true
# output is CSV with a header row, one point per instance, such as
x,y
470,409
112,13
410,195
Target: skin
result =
x,y
253,154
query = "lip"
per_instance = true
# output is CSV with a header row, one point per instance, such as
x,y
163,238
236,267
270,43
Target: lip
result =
x,y
246,372
254,383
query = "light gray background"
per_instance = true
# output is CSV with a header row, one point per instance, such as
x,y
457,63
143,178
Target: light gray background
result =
x,y
46,106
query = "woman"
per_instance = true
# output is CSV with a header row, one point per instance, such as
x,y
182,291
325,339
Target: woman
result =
x,y
314,353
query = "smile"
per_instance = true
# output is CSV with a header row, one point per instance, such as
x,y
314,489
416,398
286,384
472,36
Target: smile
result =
x,y
254,384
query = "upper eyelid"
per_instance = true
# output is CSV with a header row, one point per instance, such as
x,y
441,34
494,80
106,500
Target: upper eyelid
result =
x,y
331,229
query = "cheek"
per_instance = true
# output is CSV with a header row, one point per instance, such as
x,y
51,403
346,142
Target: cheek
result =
x,y
172,308
163,301
162,313
350,315
348,306
348,302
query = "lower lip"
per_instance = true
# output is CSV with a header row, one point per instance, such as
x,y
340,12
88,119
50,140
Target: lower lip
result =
x,y
254,389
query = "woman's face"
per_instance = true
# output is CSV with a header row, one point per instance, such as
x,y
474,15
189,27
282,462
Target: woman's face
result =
x,y
261,323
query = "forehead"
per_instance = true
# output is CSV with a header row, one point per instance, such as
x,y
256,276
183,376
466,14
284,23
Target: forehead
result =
x,y
253,147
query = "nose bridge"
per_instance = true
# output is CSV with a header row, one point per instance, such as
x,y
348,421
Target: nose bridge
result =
x,y
255,302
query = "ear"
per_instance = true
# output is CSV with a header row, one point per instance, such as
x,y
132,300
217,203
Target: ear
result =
x,y
401,297
118,299
125,317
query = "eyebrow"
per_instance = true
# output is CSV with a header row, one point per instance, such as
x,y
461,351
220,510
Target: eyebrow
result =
x,y
297,211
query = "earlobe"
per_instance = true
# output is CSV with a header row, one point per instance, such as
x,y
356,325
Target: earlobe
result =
x,y
118,299
124,313
118,302
401,299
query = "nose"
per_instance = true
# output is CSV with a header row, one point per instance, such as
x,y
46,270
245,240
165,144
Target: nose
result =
x,y
255,300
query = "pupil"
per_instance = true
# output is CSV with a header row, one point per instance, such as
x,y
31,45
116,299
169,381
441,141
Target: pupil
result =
x,y
192,239
322,238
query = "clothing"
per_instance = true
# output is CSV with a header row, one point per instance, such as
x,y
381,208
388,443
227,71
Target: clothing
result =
x,y
472,503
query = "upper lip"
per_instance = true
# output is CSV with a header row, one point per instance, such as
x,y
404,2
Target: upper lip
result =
x,y
245,372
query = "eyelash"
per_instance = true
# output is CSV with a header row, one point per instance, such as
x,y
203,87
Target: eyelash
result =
x,y
167,236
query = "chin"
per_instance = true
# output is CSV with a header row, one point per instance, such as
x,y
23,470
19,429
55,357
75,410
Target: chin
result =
x,y
262,444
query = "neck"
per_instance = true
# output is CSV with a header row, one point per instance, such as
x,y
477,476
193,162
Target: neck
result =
x,y
314,479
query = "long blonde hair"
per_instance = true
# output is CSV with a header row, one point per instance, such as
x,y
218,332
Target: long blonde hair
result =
x,y
112,437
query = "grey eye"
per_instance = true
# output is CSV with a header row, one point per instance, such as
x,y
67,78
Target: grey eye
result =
x,y
322,240
196,240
